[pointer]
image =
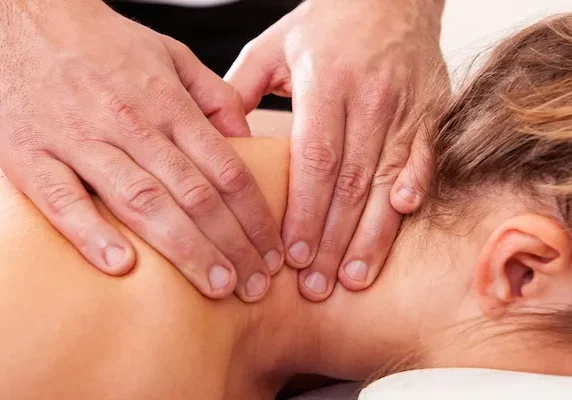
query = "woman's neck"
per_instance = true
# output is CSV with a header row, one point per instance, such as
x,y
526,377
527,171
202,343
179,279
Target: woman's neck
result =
x,y
349,336
276,340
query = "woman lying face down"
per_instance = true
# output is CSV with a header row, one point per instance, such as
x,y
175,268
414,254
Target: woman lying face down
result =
x,y
481,276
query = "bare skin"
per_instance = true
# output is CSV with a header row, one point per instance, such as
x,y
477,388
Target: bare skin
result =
x,y
358,73
82,83
75,333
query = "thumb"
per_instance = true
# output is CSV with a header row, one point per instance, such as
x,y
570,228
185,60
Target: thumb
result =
x,y
219,101
250,75
414,179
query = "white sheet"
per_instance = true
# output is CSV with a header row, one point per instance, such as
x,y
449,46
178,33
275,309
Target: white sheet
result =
x,y
342,391
468,384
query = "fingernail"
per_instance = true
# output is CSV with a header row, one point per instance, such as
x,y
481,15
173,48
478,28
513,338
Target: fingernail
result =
x,y
407,194
219,277
300,252
113,255
357,270
316,282
256,284
273,260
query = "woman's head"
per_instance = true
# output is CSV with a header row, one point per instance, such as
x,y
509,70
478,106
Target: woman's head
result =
x,y
489,255
481,275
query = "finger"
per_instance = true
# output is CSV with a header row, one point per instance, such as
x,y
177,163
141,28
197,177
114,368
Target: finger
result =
x,y
218,100
316,151
372,240
364,140
219,163
250,75
60,196
433,92
378,224
178,110
200,200
413,181
144,205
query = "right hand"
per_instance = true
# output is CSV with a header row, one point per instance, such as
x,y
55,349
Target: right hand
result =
x,y
86,94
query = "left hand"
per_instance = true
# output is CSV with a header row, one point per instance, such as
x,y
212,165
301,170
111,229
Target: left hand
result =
x,y
355,70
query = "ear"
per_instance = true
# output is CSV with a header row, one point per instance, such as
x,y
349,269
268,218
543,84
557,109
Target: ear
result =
x,y
525,263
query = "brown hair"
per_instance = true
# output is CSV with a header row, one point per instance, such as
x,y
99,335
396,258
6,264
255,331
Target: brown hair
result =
x,y
510,127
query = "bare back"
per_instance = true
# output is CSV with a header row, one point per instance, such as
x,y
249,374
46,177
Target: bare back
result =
x,y
68,331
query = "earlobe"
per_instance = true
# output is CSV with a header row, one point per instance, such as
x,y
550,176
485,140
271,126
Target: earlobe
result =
x,y
519,263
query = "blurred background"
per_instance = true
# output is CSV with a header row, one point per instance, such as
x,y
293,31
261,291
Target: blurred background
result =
x,y
472,27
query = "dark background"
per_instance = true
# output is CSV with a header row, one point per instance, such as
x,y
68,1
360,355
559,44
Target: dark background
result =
x,y
215,34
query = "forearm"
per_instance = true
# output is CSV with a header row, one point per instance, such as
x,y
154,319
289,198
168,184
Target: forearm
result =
x,y
432,6
23,21
425,15
432,10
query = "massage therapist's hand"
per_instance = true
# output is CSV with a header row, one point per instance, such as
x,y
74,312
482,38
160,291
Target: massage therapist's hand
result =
x,y
355,70
87,96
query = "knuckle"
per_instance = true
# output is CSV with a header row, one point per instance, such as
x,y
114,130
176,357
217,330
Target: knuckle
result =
x,y
319,159
386,174
371,234
60,197
303,211
353,184
390,165
249,51
240,254
233,101
260,230
234,176
144,196
24,137
307,213
377,100
197,199
168,97
185,246
189,270
227,100
329,245
128,117
177,45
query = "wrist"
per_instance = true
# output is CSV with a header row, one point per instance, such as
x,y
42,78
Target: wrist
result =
x,y
428,14
11,10
25,22
436,6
